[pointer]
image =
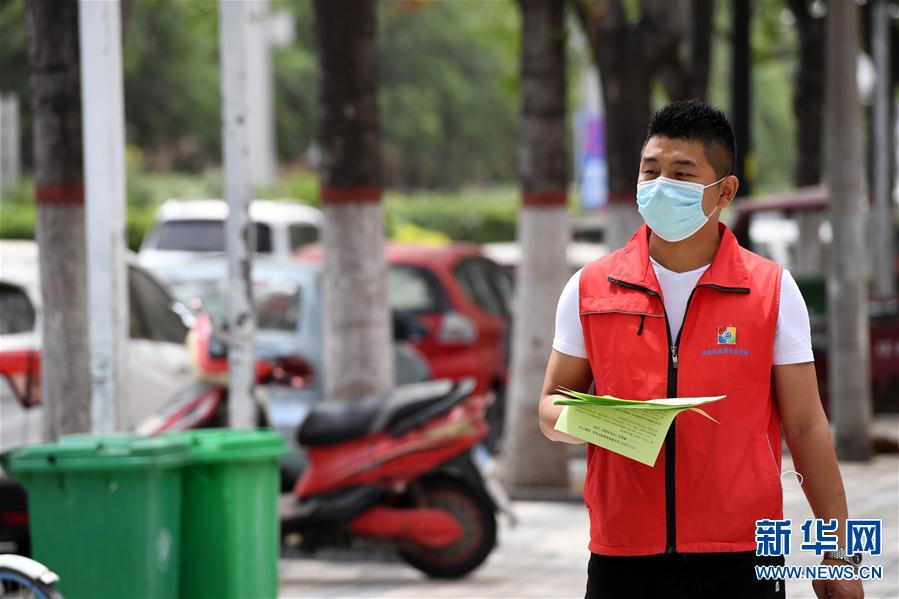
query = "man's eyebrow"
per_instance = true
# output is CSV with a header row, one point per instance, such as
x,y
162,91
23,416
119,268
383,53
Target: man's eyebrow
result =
x,y
682,161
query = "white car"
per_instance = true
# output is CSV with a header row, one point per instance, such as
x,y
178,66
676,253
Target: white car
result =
x,y
156,364
188,229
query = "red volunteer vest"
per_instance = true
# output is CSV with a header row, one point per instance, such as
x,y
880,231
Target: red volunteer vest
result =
x,y
711,482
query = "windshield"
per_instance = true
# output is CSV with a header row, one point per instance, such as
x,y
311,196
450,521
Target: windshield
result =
x,y
277,302
203,236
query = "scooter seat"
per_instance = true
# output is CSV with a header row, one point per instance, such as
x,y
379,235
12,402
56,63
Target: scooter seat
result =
x,y
336,421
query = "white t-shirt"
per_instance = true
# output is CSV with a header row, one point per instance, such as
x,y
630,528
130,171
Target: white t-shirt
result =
x,y
792,338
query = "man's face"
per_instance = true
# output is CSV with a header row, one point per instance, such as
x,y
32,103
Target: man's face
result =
x,y
686,161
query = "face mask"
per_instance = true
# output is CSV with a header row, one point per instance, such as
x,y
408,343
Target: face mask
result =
x,y
672,208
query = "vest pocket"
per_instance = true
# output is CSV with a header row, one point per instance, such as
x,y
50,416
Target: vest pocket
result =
x,y
770,473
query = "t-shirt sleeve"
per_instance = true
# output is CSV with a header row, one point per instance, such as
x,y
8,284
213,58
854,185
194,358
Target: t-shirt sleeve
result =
x,y
569,337
792,338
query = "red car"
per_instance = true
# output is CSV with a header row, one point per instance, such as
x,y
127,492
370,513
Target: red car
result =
x,y
458,302
463,300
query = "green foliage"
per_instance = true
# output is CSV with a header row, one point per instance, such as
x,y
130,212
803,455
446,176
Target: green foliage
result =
x,y
138,222
14,66
773,124
478,215
149,189
449,92
170,60
774,63
17,211
295,69
445,120
146,191
301,185
408,233
474,214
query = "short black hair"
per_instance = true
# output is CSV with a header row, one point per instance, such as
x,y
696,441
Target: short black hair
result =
x,y
694,120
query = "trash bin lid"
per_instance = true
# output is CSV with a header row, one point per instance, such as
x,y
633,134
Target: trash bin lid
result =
x,y
96,452
215,445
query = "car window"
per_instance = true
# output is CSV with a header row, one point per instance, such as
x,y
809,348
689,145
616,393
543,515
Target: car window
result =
x,y
204,236
212,294
302,234
263,238
277,306
152,316
474,279
16,310
277,303
503,283
412,289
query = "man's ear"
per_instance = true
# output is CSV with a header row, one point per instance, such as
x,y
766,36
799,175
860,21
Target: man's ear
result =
x,y
729,188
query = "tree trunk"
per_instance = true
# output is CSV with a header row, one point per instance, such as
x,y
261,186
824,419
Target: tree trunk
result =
x,y
741,95
53,58
847,286
533,460
626,97
809,89
649,48
358,356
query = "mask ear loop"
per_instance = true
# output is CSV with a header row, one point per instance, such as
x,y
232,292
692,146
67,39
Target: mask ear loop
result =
x,y
716,182
718,208
787,472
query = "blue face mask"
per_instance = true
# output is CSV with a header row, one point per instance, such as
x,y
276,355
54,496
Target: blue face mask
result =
x,y
672,208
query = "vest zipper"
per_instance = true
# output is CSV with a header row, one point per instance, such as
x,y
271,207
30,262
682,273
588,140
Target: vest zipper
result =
x,y
670,498
670,503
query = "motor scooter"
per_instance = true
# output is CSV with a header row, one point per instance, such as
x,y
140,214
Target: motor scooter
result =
x,y
406,469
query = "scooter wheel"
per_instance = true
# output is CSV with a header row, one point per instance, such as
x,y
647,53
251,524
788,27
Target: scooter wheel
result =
x,y
478,522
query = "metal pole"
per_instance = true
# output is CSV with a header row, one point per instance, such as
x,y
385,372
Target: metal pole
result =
x,y
103,118
260,113
10,142
239,232
847,285
884,213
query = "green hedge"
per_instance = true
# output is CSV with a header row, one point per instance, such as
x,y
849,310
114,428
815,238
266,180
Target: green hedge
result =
x,y
18,222
479,215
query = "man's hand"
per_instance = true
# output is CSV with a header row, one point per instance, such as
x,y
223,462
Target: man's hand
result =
x,y
562,371
837,589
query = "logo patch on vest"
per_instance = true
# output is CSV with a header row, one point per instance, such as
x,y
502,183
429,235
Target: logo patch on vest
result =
x,y
727,335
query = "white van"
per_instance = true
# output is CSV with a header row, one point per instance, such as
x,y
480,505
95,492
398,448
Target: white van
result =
x,y
188,229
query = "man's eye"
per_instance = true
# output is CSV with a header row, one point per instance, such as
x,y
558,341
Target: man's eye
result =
x,y
684,175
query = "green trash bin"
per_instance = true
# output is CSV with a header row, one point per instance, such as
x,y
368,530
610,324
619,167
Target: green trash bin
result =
x,y
104,512
229,519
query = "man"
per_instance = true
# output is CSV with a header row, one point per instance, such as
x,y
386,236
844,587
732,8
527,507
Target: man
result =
x,y
683,310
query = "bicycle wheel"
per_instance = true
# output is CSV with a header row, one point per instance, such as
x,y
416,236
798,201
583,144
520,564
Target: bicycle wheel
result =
x,y
15,584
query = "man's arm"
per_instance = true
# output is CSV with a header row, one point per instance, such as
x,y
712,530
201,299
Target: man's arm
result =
x,y
562,371
807,434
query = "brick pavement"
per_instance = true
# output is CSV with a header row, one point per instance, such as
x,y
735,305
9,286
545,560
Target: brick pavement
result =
x,y
546,555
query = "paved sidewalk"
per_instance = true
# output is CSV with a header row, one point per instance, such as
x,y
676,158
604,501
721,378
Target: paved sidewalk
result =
x,y
546,554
